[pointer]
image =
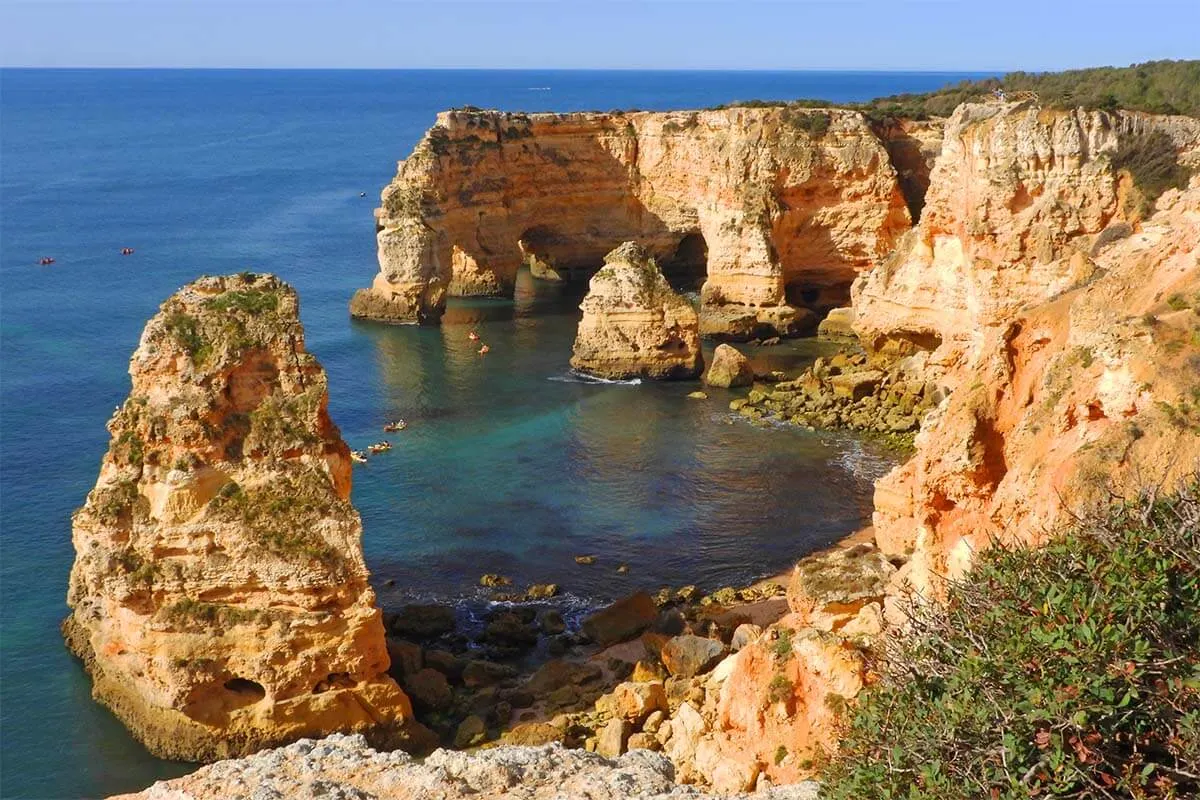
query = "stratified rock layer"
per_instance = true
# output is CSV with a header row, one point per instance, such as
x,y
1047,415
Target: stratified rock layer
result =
x,y
634,324
1059,323
1021,201
775,208
219,596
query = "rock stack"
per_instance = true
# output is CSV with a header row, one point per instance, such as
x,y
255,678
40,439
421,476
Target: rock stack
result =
x,y
634,324
219,597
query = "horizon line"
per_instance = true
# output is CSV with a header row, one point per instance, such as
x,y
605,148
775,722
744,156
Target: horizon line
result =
x,y
780,70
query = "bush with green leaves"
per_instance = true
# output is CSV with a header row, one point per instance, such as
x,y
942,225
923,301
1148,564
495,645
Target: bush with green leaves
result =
x,y
1069,671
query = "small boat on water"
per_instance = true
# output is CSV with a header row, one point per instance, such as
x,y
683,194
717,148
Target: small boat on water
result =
x,y
45,261
379,447
473,336
392,427
358,456
484,349
126,251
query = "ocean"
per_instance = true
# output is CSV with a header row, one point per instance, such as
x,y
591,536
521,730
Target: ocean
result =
x,y
510,464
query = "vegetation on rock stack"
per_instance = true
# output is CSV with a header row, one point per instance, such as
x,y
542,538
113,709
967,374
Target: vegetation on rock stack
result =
x,y
1067,671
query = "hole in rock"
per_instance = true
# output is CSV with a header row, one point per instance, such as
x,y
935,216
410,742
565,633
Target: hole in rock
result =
x,y
687,268
246,688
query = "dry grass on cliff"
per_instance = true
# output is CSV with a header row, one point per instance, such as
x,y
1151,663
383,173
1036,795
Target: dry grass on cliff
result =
x,y
1068,671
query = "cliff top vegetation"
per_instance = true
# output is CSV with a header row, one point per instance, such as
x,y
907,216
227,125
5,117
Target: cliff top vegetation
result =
x,y
1159,87
1067,671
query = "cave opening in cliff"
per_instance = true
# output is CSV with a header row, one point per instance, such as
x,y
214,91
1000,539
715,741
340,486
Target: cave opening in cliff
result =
x,y
245,689
687,268
804,293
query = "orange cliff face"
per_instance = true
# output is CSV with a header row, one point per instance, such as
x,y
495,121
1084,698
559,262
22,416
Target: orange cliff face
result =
x,y
776,210
1061,321
219,596
1020,200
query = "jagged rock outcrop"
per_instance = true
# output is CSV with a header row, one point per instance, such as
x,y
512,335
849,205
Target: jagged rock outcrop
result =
x,y
776,209
634,324
1094,391
219,596
1021,200
345,767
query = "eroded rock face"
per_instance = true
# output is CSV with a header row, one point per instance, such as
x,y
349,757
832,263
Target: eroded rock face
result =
x,y
1020,202
219,596
1056,405
776,210
345,767
634,324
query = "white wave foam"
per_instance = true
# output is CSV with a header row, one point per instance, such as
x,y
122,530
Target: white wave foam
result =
x,y
579,377
862,462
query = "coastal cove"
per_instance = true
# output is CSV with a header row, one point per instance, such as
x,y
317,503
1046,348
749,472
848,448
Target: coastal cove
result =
x,y
510,464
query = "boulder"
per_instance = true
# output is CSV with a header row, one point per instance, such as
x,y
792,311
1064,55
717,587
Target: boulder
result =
x,y
485,673
634,701
423,621
622,620
405,656
634,324
838,324
686,656
856,385
729,368
429,690
551,622
471,731
612,738
541,591
743,635
827,590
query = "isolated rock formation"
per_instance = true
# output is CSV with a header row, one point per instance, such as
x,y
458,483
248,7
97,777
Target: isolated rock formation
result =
x,y
634,324
219,596
776,210
729,368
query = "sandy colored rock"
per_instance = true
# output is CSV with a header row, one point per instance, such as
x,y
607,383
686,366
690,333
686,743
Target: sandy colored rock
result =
x,y
634,324
219,597
772,208
729,368
1021,201
829,589
634,701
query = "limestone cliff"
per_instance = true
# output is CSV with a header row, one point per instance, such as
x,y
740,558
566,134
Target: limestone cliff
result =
x,y
1095,390
1020,201
634,324
219,596
776,210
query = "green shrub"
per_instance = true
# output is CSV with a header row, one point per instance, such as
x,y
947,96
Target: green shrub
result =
x,y
1151,160
1067,671
185,330
247,301
780,689
783,644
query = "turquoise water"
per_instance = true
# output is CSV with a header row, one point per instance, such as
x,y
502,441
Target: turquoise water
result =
x,y
508,465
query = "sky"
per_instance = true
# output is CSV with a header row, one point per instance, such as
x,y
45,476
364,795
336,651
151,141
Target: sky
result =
x,y
598,34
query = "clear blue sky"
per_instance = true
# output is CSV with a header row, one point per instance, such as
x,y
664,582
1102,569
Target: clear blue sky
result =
x,y
750,34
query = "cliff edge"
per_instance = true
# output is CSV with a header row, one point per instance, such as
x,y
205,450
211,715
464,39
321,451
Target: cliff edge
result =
x,y
774,210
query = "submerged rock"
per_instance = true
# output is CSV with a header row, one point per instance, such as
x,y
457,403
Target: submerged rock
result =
x,y
219,597
634,324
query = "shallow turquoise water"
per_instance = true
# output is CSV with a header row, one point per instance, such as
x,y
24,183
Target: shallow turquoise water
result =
x,y
506,466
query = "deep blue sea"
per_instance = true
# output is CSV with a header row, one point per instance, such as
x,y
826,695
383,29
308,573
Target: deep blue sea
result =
x,y
508,465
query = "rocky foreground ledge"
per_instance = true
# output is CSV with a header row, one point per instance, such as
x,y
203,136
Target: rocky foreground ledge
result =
x,y
345,767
